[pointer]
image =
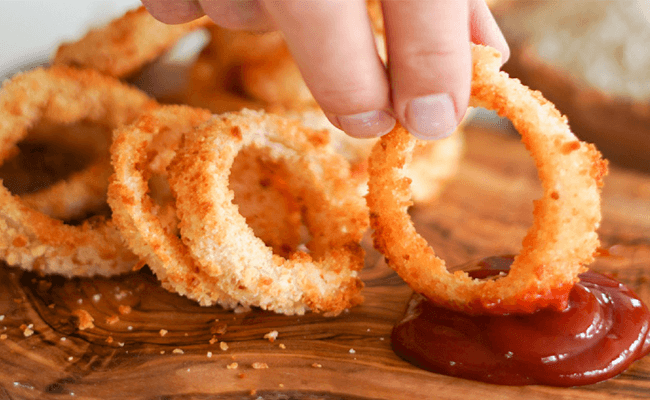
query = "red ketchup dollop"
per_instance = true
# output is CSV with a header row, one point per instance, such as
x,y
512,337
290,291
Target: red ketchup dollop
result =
x,y
601,332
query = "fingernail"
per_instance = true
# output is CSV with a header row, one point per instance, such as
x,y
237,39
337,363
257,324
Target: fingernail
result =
x,y
369,124
431,117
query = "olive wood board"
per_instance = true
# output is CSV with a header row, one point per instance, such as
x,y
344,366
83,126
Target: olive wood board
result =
x,y
484,211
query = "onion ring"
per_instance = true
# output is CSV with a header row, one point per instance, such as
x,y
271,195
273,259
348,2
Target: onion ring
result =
x,y
126,44
62,95
563,236
145,148
227,249
434,163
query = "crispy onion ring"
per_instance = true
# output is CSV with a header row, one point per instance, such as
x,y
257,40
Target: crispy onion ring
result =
x,y
225,247
126,44
145,149
62,95
563,236
434,163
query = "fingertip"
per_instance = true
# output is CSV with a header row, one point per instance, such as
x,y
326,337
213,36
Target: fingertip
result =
x,y
431,117
365,125
173,12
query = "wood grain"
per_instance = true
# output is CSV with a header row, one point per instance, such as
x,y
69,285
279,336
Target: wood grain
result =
x,y
485,211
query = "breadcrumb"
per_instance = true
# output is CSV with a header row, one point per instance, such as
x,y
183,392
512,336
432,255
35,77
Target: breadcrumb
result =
x,y
112,320
178,351
3,336
109,339
85,319
223,346
271,336
259,365
282,346
213,340
317,365
209,354
232,366
163,332
124,309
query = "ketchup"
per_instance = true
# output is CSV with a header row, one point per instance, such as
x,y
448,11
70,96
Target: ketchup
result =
x,y
601,332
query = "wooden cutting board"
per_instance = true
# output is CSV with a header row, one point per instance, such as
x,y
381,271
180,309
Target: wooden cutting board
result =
x,y
167,347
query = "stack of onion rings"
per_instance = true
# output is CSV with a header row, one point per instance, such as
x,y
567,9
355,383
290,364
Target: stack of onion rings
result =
x,y
218,259
563,236
63,95
126,44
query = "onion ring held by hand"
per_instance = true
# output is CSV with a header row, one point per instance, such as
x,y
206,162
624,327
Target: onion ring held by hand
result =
x,y
62,95
126,44
563,236
224,246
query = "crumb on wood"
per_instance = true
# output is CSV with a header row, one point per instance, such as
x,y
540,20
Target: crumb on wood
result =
x,y
124,309
317,365
213,340
282,346
232,365
112,320
3,336
109,339
163,332
178,351
85,320
223,346
271,336
260,365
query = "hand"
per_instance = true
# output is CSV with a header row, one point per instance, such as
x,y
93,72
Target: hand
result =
x,y
427,83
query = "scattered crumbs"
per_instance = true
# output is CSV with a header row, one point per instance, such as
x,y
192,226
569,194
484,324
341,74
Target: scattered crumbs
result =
x,y
85,320
109,339
112,320
381,338
214,340
63,339
120,295
260,365
216,320
51,306
352,351
241,309
3,336
219,330
271,336
163,332
70,358
317,365
121,344
282,346
188,370
124,309
232,365
80,301
209,354
97,297
162,351
178,351
28,331
129,328
281,385
2,317
223,346
368,330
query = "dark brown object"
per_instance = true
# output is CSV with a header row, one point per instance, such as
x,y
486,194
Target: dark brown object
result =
x,y
619,127
485,211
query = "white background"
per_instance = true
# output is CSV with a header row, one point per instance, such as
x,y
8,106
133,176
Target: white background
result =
x,y
30,30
